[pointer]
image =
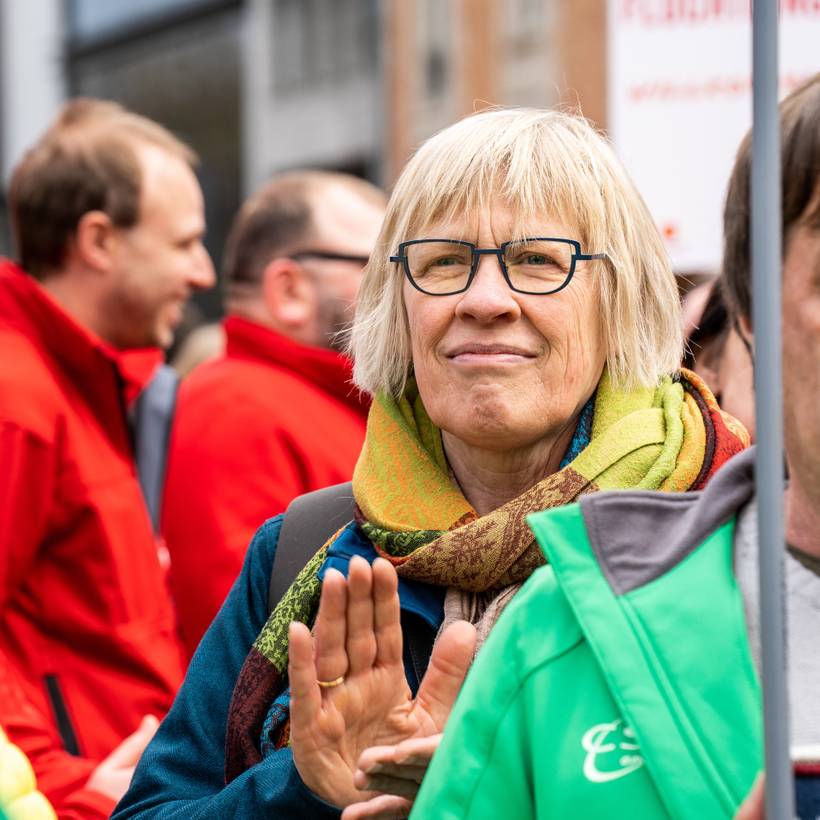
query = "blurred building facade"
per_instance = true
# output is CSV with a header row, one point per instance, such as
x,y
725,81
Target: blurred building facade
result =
x,y
259,86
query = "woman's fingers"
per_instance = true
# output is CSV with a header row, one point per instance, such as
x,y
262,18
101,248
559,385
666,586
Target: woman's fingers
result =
x,y
386,779
361,637
451,658
382,807
359,620
415,752
305,698
380,766
387,613
330,628
399,786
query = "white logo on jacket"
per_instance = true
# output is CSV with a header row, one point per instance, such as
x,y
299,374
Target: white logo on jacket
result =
x,y
611,752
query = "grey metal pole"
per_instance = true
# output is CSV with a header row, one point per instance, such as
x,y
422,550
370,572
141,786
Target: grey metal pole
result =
x,y
766,316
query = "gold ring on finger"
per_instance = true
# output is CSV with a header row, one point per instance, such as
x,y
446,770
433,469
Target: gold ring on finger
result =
x,y
329,684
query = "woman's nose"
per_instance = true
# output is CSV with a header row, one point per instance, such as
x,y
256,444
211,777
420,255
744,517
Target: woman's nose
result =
x,y
489,297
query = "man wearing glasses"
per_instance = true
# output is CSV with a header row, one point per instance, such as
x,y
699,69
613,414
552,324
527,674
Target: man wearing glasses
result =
x,y
276,416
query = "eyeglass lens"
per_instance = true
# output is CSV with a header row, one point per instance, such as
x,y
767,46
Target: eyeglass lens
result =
x,y
535,266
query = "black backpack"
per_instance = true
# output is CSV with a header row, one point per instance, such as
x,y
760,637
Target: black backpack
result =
x,y
309,521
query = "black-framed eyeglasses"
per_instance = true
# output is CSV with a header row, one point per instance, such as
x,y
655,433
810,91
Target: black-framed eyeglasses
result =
x,y
338,257
536,265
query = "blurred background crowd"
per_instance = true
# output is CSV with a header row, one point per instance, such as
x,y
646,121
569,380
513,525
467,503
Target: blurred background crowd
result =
x,y
260,86
300,116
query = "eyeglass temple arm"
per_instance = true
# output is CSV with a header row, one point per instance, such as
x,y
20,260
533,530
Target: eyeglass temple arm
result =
x,y
584,257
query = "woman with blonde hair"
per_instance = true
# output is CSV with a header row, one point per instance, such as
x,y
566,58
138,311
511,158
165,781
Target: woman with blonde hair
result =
x,y
519,329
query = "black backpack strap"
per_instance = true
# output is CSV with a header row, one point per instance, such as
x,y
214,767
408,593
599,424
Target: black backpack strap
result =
x,y
153,414
309,521
418,638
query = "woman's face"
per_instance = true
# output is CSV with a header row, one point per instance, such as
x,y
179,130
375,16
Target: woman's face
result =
x,y
499,369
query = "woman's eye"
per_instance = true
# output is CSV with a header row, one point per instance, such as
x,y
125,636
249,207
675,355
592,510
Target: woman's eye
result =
x,y
533,260
445,261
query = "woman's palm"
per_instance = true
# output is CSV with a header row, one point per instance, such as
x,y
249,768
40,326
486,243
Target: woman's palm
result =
x,y
358,638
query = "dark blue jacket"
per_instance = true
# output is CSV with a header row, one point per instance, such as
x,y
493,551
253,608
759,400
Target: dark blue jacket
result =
x,y
182,772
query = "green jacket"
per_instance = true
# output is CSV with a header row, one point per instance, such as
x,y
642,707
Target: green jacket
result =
x,y
619,683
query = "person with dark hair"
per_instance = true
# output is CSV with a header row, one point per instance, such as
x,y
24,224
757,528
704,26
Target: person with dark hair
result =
x,y
720,353
624,679
108,220
276,416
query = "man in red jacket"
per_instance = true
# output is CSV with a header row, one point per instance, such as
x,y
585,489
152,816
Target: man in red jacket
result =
x,y
108,220
276,416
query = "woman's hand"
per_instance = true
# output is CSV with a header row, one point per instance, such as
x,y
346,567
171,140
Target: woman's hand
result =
x,y
396,772
358,642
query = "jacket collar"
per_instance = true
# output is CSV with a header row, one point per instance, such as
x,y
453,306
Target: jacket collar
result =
x,y
617,521
92,364
331,372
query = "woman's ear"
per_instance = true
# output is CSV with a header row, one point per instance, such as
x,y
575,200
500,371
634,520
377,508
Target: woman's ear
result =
x,y
289,295
94,240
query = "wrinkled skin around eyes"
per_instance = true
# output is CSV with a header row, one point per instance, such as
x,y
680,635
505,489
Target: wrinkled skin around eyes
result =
x,y
504,375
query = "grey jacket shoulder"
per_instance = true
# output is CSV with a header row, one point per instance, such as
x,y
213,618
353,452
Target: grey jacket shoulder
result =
x,y
638,535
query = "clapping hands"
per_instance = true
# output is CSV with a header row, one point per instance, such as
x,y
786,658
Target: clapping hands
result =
x,y
349,692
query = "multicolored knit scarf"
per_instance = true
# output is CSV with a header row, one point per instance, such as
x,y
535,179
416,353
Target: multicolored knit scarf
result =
x,y
670,438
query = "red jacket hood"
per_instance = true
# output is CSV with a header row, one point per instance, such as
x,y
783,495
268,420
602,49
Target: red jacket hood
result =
x,y
330,371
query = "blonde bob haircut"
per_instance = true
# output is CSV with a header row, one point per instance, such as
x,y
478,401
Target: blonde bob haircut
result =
x,y
545,164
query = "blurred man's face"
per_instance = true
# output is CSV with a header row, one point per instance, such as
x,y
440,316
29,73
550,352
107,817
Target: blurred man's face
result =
x,y
160,261
345,224
801,357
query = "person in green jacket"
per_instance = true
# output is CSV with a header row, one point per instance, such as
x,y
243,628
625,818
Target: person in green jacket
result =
x,y
640,699
623,680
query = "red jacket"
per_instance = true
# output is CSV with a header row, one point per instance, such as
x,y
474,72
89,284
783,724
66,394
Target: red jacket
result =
x,y
86,618
270,420
60,775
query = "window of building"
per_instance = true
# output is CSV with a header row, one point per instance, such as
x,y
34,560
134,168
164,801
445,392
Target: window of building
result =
x,y
437,40
91,19
322,42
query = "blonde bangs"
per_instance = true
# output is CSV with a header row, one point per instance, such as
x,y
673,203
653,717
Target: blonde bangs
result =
x,y
517,155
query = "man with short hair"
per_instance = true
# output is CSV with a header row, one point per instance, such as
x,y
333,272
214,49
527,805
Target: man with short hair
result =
x,y
108,220
276,416
623,680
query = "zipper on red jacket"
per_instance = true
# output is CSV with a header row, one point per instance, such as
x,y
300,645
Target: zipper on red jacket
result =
x,y
61,716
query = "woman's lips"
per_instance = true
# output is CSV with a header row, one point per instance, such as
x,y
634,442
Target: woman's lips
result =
x,y
489,355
